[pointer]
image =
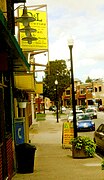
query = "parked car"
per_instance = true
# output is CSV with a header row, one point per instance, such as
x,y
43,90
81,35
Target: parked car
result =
x,y
85,123
92,107
63,109
92,112
70,115
79,111
99,137
52,108
80,107
101,108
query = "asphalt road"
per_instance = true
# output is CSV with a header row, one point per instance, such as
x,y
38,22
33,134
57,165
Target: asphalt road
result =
x,y
98,121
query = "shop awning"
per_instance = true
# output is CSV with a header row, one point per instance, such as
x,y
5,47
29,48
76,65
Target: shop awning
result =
x,y
19,61
25,82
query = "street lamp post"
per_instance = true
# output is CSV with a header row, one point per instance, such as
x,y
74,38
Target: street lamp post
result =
x,y
56,83
70,45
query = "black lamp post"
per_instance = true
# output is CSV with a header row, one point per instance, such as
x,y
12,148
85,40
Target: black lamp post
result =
x,y
70,45
56,83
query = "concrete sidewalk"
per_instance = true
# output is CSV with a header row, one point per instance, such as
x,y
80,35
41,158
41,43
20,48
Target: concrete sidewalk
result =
x,y
52,162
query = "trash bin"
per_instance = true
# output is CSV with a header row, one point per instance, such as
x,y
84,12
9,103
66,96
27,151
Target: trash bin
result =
x,y
25,157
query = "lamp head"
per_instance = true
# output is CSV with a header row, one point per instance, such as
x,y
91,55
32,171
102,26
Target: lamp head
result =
x,y
56,82
70,42
27,30
29,39
25,19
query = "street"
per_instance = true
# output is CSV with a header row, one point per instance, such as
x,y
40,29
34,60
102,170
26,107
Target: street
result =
x,y
90,134
97,121
54,162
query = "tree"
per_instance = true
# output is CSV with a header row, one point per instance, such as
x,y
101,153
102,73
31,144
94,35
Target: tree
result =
x,y
88,80
59,71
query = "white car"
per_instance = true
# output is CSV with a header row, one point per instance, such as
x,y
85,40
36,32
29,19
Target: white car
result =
x,y
63,108
91,112
70,115
92,107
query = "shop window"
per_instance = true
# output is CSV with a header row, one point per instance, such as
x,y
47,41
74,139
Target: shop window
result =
x,y
4,78
75,91
100,89
90,89
82,91
95,89
68,92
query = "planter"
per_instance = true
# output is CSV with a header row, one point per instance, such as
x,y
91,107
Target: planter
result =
x,y
79,153
22,104
102,167
83,147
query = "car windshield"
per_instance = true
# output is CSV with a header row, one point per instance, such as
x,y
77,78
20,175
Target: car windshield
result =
x,y
83,117
77,113
90,110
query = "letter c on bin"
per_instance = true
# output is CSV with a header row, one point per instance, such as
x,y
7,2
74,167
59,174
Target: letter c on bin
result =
x,y
19,133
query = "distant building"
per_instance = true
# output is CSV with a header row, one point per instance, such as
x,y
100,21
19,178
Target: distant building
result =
x,y
98,91
91,93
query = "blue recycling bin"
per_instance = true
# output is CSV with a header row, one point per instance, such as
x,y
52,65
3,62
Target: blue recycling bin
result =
x,y
19,125
25,156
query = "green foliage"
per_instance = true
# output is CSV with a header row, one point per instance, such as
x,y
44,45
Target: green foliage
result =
x,y
20,95
40,117
88,80
102,163
59,71
86,143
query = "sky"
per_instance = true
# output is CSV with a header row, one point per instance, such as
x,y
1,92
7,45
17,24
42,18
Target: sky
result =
x,y
82,20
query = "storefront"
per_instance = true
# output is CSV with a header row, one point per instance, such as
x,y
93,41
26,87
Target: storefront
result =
x,y
12,60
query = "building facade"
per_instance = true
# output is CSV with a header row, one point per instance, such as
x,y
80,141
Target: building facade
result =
x,y
91,93
12,61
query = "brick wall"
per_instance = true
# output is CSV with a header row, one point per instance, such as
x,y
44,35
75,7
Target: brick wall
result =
x,y
9,151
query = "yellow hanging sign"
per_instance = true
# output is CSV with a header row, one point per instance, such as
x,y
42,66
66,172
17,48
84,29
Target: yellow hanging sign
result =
x,y
41,34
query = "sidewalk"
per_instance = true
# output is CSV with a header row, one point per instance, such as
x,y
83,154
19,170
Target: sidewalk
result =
x,y
52,162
